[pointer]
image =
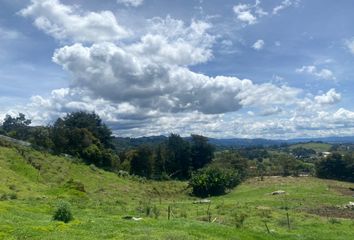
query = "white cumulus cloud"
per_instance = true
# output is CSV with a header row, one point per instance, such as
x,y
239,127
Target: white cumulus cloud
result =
x,y
350,45
331,97
244,14
69,23
161,83
248,13
258,45
324,73
147,85
131,3
285,4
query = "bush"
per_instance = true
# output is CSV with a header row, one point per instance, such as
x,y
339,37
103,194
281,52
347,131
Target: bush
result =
x,y
76,185
8,196
213,181
63,212
239,219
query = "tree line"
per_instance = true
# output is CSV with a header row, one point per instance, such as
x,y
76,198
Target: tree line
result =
x,y
84,135
79,134
174,158
336,166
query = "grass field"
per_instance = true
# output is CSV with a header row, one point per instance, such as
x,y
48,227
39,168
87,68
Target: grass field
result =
x,y
32,183
318,147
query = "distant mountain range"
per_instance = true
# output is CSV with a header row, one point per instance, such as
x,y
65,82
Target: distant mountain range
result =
x,y
125,142
244,142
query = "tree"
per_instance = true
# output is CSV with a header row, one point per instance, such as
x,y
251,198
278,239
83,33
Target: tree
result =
x,y
79,139
285,165
261,168
92,122
60,136
41,136
302,153
17,127
159,167
335,167
141,162
202,152
178,162
84,135
232,160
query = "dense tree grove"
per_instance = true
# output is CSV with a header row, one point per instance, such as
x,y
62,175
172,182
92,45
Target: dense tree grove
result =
x,y
302,153
141,162
174,158
84,135
178,157
79,134
336,166
17,127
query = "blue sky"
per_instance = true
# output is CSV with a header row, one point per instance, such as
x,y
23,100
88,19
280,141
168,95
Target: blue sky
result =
x,y
272,69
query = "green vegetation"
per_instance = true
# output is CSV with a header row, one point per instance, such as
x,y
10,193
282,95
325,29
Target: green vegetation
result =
x,y
77,185
213,181
336,166
83,135
316,146
101,202
63,212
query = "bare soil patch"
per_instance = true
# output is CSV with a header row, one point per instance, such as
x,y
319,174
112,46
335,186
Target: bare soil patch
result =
x,y
345,191
332,212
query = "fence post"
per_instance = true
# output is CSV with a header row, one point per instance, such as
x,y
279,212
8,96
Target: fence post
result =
x,y
287,217
169,212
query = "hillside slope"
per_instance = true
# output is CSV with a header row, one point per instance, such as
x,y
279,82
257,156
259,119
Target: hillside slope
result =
x,y
33,182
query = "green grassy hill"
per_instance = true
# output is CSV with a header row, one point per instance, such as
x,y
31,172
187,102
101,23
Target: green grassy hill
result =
x,y
32,183
318,147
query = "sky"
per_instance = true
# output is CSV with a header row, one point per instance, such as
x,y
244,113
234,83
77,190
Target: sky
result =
x,y
274,69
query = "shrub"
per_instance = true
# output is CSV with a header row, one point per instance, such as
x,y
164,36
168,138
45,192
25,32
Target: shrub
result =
x,y
76,185
12,196
239,219
213,181
156,212
63,212
8,196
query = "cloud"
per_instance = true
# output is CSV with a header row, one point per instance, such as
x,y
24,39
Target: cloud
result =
x,y
285,4
8,34
324,73
243,13
171,40
161,82
331,97
131,3
69,23
271,111
350,45
304,118
147,85
258,45
248,13
150,79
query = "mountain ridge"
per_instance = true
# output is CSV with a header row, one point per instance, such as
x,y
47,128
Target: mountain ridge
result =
x,y
235,142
